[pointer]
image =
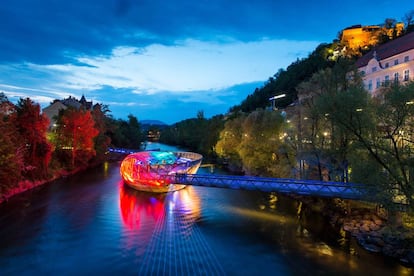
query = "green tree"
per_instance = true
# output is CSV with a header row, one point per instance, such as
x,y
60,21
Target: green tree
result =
x,y
383,128
322,144
254,143
229,141
262,149
102,124
125,134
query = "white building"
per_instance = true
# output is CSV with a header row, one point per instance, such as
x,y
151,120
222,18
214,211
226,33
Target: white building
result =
x,y
389,62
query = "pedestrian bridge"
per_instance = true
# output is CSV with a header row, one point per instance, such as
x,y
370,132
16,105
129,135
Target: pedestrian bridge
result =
x,y
267,184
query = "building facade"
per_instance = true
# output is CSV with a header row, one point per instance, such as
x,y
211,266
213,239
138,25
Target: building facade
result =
x,y
389,62
53,109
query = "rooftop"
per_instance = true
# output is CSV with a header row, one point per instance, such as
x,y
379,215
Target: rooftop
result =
x,y
389,49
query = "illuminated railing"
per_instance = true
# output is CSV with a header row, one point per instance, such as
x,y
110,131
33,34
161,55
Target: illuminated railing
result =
x,y
280,185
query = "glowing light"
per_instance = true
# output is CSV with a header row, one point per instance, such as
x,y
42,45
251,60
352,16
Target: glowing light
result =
x,y
148,170
277,97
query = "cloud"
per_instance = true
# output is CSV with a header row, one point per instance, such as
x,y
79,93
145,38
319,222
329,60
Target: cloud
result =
x,y
151,56
53,31
189,65
210,75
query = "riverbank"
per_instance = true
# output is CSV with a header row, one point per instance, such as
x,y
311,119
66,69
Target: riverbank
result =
x,y
26,185
370,227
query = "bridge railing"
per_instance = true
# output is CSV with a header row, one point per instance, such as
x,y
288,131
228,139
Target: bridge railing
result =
x,y
281,185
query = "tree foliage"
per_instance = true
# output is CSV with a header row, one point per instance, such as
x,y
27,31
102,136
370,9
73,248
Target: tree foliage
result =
x,y
11,151
102,124
321,143
255,143
126,134
382,128
196,134
32,127
75,133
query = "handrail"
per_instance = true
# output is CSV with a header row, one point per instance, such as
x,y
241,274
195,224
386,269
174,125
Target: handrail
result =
x,y
267,184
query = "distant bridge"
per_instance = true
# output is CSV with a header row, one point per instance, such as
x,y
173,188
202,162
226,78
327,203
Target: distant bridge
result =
x,y
280,185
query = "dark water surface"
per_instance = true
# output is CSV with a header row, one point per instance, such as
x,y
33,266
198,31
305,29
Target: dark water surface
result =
x,y
92,224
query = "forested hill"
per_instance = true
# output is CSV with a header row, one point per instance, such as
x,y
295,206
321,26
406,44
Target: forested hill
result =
x,y
285,81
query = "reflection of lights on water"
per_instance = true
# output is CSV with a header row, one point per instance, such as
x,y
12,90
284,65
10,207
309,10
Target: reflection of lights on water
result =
x,y
305,240
405,271
136,206
324,249
260,215
106,168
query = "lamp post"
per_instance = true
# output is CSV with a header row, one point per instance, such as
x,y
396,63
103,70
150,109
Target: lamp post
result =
x,y
274,98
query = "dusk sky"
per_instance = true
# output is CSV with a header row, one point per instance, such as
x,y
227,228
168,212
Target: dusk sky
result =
x,y
165,60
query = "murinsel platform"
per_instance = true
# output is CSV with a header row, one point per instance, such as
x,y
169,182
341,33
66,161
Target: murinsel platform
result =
x,y
146,170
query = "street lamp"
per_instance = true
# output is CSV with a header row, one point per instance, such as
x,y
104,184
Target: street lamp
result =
x,y
274,98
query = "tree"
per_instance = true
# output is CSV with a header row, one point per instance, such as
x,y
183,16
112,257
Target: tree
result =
x,y
125,134
133,132
262,149
75,133
229,141
11,151
254,143
408,19
32,126
382,128
326,146
102,124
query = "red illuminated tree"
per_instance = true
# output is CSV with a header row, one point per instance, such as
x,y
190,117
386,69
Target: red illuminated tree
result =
x,y
11,153
75,133
32,126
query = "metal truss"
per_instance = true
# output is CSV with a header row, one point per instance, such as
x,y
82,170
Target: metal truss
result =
x,y
267,184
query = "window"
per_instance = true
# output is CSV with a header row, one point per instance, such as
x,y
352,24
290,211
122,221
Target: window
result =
x,y
406,75
406,58
362,73
370,85
386,80
387,65
378,83
396,77
396,62
374,69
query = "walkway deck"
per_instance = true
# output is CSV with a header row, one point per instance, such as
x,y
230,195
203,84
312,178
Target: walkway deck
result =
x,y
280,185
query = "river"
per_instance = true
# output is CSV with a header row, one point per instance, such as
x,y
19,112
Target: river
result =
x,y
91,223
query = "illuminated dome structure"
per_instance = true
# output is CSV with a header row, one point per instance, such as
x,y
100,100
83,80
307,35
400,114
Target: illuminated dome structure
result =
x,y
145,170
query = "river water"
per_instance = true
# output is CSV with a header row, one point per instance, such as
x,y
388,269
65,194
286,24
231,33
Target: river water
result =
x,y
92,224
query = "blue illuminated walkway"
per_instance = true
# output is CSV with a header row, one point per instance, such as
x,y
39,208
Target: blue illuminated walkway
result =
x,y
280,185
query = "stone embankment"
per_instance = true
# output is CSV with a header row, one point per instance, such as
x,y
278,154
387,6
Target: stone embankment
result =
x,y
374,234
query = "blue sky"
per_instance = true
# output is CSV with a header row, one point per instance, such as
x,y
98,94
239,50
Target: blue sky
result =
x,y
165,60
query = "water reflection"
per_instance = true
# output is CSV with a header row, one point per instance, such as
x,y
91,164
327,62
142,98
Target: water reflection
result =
x,y
139,208
162,230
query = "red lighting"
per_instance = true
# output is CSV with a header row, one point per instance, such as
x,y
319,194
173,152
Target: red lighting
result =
x,y
147,170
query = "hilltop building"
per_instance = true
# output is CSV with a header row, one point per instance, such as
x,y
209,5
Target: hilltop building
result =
x,y
53,109
360,37
389,62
